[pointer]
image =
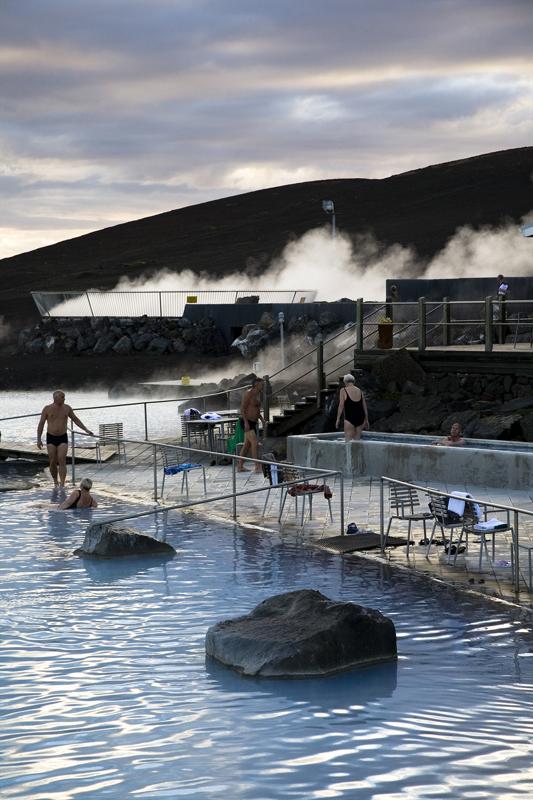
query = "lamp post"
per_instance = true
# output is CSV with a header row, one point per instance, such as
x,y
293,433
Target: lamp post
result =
x,y
329,208
281,320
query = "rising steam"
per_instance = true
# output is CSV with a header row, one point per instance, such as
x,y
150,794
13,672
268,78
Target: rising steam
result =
x,y
339,267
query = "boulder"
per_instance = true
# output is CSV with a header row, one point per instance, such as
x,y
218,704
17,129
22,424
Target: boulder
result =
x,y
495,426
466,419
248,328
107,539
413,388
381,407
178,346
123,345
416,414
158,345
526,426
141,341
328,319
302,634
104,343
35,346
85,342
49,344
267,321
399,367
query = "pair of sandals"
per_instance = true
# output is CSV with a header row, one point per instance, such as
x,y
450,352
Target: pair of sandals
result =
x,y
449,547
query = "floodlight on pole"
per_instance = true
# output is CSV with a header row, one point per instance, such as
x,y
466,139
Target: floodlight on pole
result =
x,y
329,207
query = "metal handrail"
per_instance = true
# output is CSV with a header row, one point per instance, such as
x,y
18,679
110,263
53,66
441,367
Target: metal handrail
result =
x,y
311,352
137,403
325,342
426,489
317,473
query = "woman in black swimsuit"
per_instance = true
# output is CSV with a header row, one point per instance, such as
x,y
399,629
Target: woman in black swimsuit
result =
x,y
80,498
352,402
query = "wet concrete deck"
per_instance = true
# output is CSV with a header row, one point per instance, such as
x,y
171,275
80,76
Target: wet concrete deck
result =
x,y
134,481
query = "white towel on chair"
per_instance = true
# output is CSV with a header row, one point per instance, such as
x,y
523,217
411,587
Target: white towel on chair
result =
x,y
456,503
493,524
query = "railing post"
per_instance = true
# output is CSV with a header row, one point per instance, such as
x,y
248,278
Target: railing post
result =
x,y
320,377
154,448
516,560
359,311
446,319
266,400
422,323
73,452
145,422
381,517
489,328
342,503
234,484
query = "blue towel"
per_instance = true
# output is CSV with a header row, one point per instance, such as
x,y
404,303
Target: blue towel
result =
x,y
173,470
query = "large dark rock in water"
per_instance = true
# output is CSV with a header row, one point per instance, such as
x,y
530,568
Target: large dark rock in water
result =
x,y
302,634
107,540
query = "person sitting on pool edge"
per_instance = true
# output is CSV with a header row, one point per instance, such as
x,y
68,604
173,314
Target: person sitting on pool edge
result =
x,y
80,498
454,438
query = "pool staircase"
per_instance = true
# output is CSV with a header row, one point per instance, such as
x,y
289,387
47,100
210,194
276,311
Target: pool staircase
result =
x,y
292,419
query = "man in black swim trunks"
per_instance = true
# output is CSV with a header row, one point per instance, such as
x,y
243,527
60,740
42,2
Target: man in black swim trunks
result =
x,y
56,416
250,415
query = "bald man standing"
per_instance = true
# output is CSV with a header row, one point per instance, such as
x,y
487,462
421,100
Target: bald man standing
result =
x,y
56,416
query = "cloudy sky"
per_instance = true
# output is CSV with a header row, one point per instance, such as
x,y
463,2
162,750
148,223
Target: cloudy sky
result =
x,y
113,110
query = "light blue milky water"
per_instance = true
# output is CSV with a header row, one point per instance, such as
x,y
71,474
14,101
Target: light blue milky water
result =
x,y
106,693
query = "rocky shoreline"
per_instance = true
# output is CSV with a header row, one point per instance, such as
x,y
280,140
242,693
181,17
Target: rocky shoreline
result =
x,y
403,398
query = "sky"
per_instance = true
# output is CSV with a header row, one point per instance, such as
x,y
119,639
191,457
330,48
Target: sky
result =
x,y
113,110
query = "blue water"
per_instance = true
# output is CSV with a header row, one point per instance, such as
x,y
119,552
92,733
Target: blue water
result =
x,y
106,693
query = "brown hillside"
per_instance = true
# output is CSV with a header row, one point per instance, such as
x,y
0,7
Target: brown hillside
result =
x,y
421,208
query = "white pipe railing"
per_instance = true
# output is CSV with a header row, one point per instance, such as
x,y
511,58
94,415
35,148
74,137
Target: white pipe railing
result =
x,y
314,473
498,506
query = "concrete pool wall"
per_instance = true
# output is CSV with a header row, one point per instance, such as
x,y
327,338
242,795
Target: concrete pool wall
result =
x,y
482,462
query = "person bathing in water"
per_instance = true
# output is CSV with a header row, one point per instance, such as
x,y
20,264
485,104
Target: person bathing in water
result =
x,y
454,439
250,416
56,416
80,498
352,402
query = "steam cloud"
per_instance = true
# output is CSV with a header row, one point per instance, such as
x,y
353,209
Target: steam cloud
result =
x,y
340,267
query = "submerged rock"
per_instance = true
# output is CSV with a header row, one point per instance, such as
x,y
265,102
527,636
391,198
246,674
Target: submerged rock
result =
x,y
302,634
106,539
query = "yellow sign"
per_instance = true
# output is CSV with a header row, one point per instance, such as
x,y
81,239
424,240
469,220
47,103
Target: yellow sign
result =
x,y
192,298
185,380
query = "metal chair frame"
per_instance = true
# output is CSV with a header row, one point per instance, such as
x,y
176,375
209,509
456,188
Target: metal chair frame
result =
x,y
292,473
469,527
439,511
111,433
404,505
170,457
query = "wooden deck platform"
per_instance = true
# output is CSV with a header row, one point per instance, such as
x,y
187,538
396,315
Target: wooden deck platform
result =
x,y
30,452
